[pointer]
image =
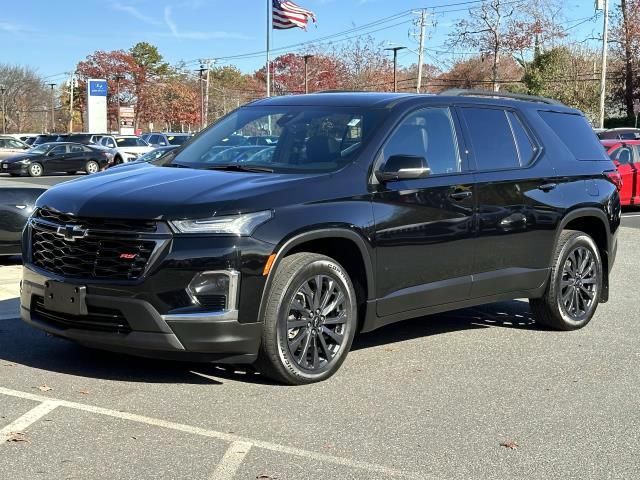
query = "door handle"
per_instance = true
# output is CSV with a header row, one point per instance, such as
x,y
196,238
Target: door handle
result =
x,y
547,187
459,196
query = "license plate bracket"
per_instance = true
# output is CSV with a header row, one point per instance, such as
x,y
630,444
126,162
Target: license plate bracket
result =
x,y
65,298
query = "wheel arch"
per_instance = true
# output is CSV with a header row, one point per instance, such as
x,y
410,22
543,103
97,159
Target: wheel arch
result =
x,y
345,246
595,223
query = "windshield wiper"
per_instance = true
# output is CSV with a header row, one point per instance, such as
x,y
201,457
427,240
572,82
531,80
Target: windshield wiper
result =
x,y
236,167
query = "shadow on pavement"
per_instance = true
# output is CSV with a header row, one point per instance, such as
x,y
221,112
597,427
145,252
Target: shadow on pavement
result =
x,y
24,345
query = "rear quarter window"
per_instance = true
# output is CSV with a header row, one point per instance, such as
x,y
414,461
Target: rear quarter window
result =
x,y
576,134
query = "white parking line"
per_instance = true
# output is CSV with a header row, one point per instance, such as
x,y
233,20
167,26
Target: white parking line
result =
x,y
231,461
320,457
28,419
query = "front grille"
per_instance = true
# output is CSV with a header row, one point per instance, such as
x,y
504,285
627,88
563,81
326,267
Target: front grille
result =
x,y
97,223
116,253
98,318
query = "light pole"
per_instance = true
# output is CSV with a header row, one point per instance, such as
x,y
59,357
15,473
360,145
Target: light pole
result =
x,y
4,113
53,107
603,73
118,77
306,75
395,65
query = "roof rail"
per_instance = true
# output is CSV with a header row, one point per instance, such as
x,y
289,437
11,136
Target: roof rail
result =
x,y
460,92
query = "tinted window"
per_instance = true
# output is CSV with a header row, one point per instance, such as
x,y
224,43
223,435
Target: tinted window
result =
x,y
623,155
574,131
492,141
59,150
526,149
76,149
429,134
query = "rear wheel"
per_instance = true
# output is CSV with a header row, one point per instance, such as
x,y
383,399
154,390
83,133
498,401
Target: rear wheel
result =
x,y
310,320
573,292
35,170
92,167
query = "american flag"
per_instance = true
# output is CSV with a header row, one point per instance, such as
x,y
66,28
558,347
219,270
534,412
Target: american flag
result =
x,y
287,14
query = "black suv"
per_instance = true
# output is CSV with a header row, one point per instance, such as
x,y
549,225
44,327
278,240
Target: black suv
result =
x,y
367,209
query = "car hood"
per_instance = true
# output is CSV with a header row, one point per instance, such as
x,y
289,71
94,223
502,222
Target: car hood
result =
x,y
134,149
143,191
19,156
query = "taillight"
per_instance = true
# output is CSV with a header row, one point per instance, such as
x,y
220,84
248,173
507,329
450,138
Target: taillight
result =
x,y
615,178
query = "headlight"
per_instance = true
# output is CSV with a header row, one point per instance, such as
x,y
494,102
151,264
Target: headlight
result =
x,y
244,224
26,161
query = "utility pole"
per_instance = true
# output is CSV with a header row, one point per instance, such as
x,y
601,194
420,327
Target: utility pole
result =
x,y
422,25
53,107
306,74
72,85
118,78
605,39
395,65
201,71
207,64
3,89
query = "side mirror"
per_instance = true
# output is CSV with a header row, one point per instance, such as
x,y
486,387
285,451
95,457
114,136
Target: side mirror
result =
x,y
403,167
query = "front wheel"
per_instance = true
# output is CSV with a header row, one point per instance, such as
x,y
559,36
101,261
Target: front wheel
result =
x,y
310,320
92,167
573,293
36,170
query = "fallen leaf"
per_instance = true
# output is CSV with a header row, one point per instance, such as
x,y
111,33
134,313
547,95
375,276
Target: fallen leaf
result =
x,y
388,349
44,388
9,364
264,476
134,437
328,445
83,392
510,444
17,437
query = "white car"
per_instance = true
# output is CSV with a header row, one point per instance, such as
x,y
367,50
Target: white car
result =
x,y
125,148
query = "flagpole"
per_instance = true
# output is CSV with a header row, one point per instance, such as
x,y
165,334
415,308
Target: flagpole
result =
x,y
269,24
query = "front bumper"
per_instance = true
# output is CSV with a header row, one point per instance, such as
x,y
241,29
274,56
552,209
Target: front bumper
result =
x,y
201,336
14,167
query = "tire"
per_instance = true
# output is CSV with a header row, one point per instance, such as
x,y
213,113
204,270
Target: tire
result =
x,y
326,336
35,170
572,295
91,167
117,160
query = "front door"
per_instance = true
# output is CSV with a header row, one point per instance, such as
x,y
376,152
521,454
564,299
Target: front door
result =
x,y
423,227
516,194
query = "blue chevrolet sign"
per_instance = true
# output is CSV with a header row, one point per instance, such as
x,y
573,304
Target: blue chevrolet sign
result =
x,y
98,88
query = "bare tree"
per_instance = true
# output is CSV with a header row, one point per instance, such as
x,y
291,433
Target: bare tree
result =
x,y
486,30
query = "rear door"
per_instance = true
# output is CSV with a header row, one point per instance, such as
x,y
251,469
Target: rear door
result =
x,y
55,159
77,158
424,227
514,188
625,156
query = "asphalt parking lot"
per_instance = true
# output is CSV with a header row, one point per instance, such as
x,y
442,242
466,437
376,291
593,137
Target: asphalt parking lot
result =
x,y
478,393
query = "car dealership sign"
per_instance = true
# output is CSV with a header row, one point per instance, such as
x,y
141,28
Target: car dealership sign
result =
x,y
97,105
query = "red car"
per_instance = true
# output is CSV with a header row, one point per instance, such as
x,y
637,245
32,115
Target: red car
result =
x,y
626,155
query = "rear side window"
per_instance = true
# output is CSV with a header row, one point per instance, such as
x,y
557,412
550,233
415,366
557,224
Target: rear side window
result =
x,y
576,134
622,155
493,144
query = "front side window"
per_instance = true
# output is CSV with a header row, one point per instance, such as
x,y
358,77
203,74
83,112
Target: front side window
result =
x,y
305,139
491,138
622,155
430,134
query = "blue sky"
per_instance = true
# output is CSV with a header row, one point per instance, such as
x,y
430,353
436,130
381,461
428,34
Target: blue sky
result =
x,y
52,38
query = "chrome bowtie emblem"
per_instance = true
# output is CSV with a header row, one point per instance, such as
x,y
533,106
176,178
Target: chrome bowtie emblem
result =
x,y
71,232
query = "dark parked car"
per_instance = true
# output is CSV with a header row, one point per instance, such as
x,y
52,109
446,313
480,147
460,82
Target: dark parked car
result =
x,y
45,138
373,208
17,201
83,138
163,139
55,157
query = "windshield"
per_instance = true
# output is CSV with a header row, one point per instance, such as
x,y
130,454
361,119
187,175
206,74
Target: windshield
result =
x,y
131,142
177,139
282,139
153,154
42,148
